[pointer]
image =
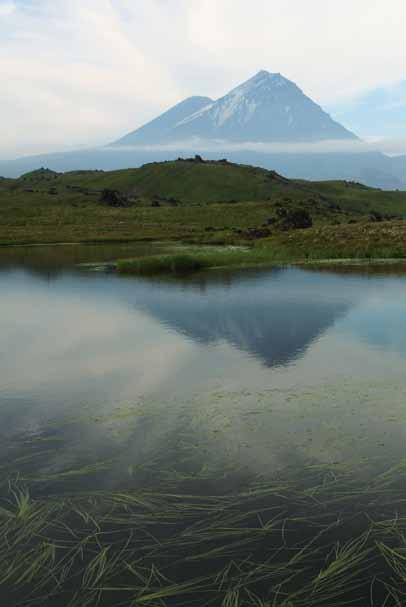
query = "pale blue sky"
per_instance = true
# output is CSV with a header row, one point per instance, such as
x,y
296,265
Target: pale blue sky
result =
x,y
376,113
86,71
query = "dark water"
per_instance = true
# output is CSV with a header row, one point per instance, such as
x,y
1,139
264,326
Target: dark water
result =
x,y
51,259
220,376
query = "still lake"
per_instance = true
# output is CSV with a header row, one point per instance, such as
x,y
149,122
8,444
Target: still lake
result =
x,y
266,367
224,374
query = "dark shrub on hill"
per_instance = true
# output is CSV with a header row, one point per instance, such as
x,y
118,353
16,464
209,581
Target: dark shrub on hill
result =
x,y
298,219
256,233
112,198
281,212
376,217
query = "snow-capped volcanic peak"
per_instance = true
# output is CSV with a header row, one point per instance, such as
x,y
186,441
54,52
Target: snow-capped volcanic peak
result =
x,y
241,103
266,108
266,81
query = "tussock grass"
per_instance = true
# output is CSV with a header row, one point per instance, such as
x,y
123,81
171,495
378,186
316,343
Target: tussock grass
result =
x,y
195,260
365,242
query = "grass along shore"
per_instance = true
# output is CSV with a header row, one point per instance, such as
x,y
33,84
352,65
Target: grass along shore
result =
x,y
364,242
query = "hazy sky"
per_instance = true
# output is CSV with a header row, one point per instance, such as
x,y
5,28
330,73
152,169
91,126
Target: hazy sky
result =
x,y
87,71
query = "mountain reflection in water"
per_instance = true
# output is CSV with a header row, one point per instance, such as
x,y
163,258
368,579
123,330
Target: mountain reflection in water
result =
x,y
272,316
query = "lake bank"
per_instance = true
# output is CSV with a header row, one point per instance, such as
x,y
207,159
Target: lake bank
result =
x,y
325,245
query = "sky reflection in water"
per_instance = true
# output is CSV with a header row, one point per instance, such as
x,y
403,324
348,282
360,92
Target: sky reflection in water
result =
x,y
260,369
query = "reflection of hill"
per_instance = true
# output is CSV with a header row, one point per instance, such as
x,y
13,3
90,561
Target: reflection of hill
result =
x,y
273,317
51,260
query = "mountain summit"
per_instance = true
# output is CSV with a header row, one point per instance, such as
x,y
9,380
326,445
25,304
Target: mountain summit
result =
x,y
265,108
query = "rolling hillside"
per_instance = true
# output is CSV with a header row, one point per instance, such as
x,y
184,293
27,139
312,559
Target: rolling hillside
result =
x,y
187,199
195,181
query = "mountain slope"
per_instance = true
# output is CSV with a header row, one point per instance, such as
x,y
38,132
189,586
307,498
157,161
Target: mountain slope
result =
x,y
265,108
159,128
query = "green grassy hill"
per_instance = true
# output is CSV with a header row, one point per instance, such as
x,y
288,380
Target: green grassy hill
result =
x,y
186,181
190,199
194,182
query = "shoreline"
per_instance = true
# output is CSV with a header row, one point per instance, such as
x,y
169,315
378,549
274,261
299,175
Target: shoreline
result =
x,y
187,258
140,266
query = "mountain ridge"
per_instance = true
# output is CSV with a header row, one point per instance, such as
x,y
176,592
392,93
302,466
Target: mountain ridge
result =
x,y
265,108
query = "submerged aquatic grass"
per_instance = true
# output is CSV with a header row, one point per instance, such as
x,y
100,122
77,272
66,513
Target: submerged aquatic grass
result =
x,y
318,539
179,530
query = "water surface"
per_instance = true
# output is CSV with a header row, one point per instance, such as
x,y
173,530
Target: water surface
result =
x,y
264,367
208,384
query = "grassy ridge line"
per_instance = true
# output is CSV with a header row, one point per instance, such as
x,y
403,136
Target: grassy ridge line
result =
x,y
186,181
210,181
